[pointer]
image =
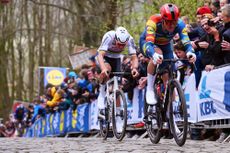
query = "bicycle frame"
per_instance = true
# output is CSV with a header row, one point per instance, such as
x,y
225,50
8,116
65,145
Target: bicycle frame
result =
x,y
164,102
171,76
116,109
114,82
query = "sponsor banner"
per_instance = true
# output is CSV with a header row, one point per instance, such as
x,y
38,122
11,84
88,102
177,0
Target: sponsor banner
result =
x,y
191,94
93,120
43,127
47,126
214,95
136,106
54,75
68,120
83,118
39,130
62,128
56,123
73,121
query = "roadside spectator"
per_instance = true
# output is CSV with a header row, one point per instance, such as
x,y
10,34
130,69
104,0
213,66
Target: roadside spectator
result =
x,y
222,3
9,130
211,43
30,114
226,50
187,23
226,33
207,3
197,32
39,110
215,6
184,67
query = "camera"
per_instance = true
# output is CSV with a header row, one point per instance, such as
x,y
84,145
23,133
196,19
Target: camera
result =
x,y
211,23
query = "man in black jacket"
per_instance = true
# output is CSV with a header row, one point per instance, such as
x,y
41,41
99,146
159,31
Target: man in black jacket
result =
x,y
225,15
211,43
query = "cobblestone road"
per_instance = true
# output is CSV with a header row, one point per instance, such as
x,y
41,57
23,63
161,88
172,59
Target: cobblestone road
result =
x,y
97,145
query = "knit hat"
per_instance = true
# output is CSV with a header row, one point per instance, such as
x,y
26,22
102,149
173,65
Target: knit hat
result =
x,y
203,10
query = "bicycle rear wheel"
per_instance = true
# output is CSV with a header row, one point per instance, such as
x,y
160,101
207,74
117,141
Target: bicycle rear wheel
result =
x,y
119,115
104,123
177,113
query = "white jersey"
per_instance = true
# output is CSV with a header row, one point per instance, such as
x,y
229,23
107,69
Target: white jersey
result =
x,y
108,45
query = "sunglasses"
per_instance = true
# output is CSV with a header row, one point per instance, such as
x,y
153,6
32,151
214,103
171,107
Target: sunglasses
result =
x,y
170,22
120,45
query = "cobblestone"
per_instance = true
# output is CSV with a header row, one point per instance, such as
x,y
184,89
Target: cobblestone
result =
x,y
97,145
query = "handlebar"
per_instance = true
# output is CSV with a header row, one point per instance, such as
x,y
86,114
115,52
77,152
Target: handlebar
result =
x,y
179,59
174,60
120,73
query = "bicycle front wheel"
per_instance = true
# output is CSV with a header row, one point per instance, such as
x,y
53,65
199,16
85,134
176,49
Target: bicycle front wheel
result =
x,y
104,123
153,124
177,113
119,115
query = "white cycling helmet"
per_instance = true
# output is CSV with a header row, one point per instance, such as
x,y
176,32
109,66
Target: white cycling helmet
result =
x,y
122,35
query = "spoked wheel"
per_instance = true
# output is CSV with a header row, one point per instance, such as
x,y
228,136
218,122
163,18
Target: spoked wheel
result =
x,y
119,115
104,123
153,124
178,113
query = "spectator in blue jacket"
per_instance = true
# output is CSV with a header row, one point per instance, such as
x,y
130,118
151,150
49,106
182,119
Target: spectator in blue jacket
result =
x,y
39,110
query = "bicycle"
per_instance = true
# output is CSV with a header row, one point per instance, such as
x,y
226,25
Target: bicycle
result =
x,y
170,108
115,109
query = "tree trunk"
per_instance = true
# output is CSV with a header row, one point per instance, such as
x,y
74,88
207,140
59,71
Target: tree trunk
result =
x,y
4,94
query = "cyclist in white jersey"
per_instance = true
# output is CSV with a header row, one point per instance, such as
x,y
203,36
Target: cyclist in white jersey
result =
x,y
109,57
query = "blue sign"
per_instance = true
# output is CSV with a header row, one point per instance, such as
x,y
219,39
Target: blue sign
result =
x,y
83,118
54,76
204,92
227,91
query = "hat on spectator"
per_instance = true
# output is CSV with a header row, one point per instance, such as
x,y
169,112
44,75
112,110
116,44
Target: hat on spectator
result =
x,y
203,10
72,74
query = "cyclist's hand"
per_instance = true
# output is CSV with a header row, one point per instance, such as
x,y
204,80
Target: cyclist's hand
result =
x,y
104,76
191,56
135,73
142,82
105,72
157,58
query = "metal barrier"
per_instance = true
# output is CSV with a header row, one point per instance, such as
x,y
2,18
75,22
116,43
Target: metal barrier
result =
x,y
212,124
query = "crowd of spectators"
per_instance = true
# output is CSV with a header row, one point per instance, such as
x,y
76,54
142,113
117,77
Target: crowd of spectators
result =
x,y
210,37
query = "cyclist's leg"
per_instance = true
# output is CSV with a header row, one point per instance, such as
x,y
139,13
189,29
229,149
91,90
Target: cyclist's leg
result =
x,y
102,92
167,54
150,95
116,67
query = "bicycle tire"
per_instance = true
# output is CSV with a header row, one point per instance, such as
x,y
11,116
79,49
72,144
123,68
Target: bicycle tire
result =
x,y
119,135
181,110
104,124
154,133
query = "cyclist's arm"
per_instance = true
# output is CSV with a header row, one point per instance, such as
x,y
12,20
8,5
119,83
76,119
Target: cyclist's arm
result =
x,y
150,31
132,53
100,57
184,36
151,28
134,60
106,40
